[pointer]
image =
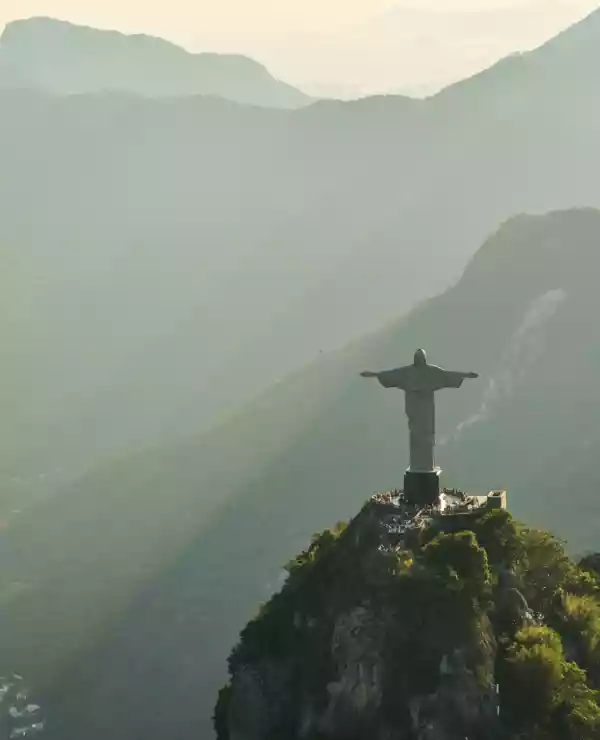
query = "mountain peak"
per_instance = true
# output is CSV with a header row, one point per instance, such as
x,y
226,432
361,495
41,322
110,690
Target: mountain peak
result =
x,y
25,35
66,58
425,624
567,62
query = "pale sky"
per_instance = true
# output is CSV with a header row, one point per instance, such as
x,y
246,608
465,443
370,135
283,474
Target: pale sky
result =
x,y
361,44
182,19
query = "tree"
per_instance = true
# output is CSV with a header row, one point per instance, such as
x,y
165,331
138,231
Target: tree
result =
x,y
543,569
460,561
580,624
544,696
532,677
498,534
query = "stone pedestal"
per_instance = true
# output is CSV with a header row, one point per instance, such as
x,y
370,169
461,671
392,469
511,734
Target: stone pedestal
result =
x,y
422,489
497,500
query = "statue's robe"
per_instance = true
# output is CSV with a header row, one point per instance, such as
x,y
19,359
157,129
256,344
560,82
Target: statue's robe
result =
x,y
419,383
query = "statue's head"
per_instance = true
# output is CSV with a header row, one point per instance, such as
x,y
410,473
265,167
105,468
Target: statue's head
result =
x,y
420,358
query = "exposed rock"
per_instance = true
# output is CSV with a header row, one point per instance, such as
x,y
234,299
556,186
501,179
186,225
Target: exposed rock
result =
x,y
255,700
460,704
336,653
357,651
401,626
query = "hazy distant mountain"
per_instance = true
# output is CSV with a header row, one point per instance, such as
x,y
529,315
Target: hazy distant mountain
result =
x,y
180,255
64,58
417,48
562,69
218,515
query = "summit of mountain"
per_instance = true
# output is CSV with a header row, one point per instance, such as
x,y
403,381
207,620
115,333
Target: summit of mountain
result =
x,y
421,622
64,58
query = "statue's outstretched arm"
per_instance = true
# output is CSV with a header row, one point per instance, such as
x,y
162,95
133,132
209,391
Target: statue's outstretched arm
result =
x,y
369,374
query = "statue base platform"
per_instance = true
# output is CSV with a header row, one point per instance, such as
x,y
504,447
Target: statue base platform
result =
x,y
422,489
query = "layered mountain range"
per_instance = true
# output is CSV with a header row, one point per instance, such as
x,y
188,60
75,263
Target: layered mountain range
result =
x,y
167,259
64,58
175,256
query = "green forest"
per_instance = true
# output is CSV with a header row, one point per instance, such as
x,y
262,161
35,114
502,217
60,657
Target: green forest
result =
x,y
523,614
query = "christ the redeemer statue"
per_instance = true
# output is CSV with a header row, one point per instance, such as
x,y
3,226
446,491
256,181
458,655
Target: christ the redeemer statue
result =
x,y
419,382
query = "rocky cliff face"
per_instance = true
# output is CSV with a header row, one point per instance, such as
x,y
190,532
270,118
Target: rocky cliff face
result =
x,y
364,643
413,624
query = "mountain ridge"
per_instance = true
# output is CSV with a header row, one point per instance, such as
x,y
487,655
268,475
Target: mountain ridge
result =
x,y
573,50
67,58
335,196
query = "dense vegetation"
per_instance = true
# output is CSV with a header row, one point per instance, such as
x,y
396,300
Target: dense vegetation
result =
x,y
524,613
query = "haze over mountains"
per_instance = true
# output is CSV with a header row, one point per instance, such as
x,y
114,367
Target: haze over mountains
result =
x,y
178,255
335,48
168,258
63,58
417,48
